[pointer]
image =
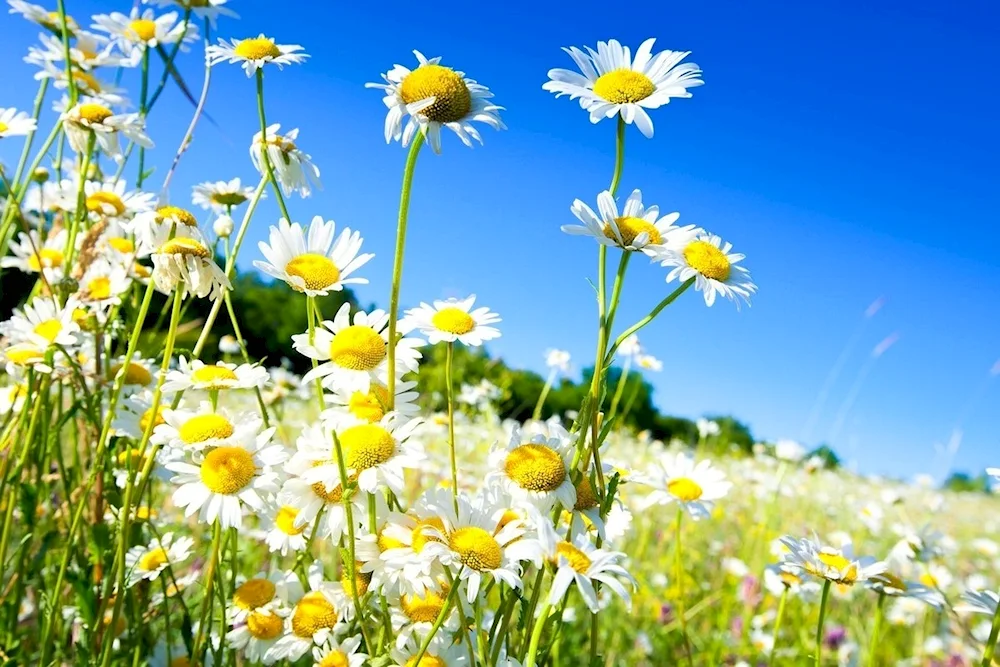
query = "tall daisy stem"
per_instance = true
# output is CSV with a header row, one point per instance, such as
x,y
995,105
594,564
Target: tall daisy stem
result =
x,y
438,622
450,385
991,643
873,648
536,634
777,625
819,624
81,198
268,167
670,298
537,412
209,579
679,575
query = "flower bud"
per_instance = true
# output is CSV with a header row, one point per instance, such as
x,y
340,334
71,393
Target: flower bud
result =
x,y
223,226
40,175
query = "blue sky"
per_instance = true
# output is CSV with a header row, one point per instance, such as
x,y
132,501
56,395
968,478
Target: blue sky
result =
x,y
848,150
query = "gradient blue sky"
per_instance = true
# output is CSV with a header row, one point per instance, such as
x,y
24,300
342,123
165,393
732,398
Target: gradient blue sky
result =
x,y
849,150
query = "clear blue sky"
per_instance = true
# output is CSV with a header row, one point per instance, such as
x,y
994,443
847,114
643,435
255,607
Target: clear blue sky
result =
x,y
850,151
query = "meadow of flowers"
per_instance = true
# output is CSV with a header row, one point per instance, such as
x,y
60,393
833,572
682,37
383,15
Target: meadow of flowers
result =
x,y
162,507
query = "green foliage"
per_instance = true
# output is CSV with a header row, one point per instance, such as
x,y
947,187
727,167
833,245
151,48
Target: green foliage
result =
x,y
826,453
961,481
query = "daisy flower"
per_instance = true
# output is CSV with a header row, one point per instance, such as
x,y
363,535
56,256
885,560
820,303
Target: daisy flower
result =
x,y
355,353
136,32
204,428
294,168
43,17
557,360
637,228
91,117
451,320
339,654
262,592
154,225
535,469
103,284
994,473
708,260
221,196
185,263
351,405
611,83
43,322
31,255
435,96
258,633
203,9
979,602
87,52
840,566
676,478
890,584
147,562
12,398
414,613
196,374
441,652
254,53
315,261
108,199
217,484
134,414
283,533
14,123
312,620
136,375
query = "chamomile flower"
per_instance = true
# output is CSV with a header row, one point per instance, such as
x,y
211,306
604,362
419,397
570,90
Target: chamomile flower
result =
x,y
147,562
339,654
135,413
135,375
284,535
414,613
31,255
14,123
890,584
43,322
676,478
454,320
840,566
12,398
185,263
612,83
441,652
261,592
355,353
535,468
257,634
293,167
352,405
557,360
637,228
254,53
204,428
19,357
707,260
41,16
994,473
202,9
401,563
136,32
88,119
312,620
315,261
103,284
87,52
221,196
196,374
109,199
433,96
979,602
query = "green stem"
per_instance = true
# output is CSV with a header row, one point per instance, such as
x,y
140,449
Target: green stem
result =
x,y
777,625
450,386
620,387
438,622
143,90
670,298
209,579
81,206
619,156
536,634
64,29
537,412
679,575
991,643
268,167
819,625
873,647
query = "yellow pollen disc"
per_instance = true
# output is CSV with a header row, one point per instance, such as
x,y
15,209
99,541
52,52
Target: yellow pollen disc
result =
x,y
453,320
319,488
312,614
183,246
578,560
23,354
257,48
227,470
585,498
4,126
141,271
153,559
369,407
366,446
134,374
213,376
505,518
848,572
707,260
790,579
684,489
130,457
144,513
624,86
147,415
49,258
476,548
86,81
100,201
631,227
334,658
176,214
358,348
144,29
426,661
253,593
317,271
535,468
285,521
48,329
122,245
95,113
205,427
452,99
423,609
264,626
928,580
420,538
99,289
385,542
361,579
228,198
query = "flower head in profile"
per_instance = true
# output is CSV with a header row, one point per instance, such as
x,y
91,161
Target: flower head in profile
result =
x,y
14,123
294,168
202,9
221,196
979,602
254,53
611,82
635,228
136,32
88,119
43,17
196,374
710,262
184,262
148,561
676,478
433,96
841,566
454,320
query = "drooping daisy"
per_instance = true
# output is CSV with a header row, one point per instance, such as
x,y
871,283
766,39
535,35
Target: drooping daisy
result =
x,y
355,353
435,96
14,123
91,117
313,262
263,591
196,374
675,477
254,53
891,584
535,468
313,619
979,602
221,196
203,9
148,561
108,199
707,259
30,255
293,167
185,263
612,83
351,405
840,566
452,319
339,654
204,428
136,32
284,535
637,228
43,322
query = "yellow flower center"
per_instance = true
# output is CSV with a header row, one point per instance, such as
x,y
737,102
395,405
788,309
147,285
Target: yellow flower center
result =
x,y
847,572
3,127
928,580
335,658
285,521
23,354
147,415
366,446
312,614
319,488
182,245
386,542
535,468
585,498
228,198
50,258
476,548
452,99
131,458
358,348
144,29
94,113
99,288
420,538
631,227
361,579
205,427
317,271
684,489
790,579
505,518
707,260
369,407
257,48
48,329
134,374
577,560
624,86
87,81
227,470
891,580
424,609
101,201
253,593
426,661
264,626
176,214
122,245
453,320
214,377
153,559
